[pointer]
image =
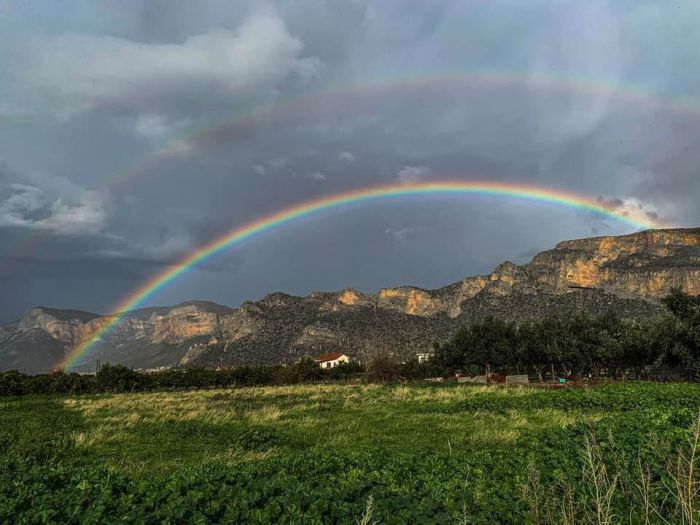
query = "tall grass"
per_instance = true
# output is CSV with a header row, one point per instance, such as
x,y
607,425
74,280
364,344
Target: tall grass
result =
x,y
683,473
667,498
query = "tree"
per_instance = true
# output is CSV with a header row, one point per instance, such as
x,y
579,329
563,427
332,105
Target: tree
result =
x,y
382,366
533,352
117,378
686,346
491,343
640,345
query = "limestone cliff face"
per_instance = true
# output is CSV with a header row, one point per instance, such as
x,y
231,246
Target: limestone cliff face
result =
x,y
182,323
411,301
628,274
508,279
645,264
130,341
350,297
36,319
64,326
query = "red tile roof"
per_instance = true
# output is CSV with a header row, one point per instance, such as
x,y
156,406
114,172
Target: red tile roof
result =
x,y
328,357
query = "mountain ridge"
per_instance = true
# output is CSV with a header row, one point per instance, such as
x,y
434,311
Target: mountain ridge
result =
x,y
628,274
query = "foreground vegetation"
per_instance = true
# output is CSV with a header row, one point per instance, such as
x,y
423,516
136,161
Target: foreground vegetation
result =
x,y
583,346
325,453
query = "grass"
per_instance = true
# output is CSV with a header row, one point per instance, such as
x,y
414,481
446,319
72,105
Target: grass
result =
x,y
159,433
461,452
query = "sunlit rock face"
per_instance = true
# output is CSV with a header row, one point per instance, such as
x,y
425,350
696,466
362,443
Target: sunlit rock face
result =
x,y
646,264
62,325
350,297
627,274
185,322
409,300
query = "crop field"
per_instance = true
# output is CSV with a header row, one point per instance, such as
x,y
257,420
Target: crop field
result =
x,y
335,453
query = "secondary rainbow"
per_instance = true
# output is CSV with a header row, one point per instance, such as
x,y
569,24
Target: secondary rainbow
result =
x,y
343,99
340,200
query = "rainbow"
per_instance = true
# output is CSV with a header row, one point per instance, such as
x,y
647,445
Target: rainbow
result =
x,y
313,207
345,99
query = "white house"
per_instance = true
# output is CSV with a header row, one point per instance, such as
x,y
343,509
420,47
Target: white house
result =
x,y
424,356
331,360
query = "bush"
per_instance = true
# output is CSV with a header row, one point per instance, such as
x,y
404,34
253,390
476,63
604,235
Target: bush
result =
x,y
382,367
414,370
118,378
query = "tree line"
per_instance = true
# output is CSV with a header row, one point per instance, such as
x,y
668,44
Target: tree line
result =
x,y
119,378
581,345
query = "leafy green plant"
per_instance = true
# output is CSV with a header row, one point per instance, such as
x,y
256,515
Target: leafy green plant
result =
x,y
623,453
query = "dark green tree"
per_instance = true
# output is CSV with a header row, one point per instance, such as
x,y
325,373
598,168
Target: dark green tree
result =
x,y
117,378
684,349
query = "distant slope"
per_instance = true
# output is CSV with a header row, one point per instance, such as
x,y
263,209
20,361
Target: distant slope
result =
x,y
627,274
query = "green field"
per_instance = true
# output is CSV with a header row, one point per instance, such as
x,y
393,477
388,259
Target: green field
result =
x,y
328,453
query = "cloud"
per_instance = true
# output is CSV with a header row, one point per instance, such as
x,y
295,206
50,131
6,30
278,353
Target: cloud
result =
x,y
171,248
79,72
277,164
29,207
630,207
317,176
410,174
268,167
403,233
176,149
302,77
151,127
86,215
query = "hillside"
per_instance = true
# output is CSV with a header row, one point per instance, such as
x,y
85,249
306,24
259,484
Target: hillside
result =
x,y
628,274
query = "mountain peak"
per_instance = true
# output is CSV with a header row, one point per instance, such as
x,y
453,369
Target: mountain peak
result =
x,y
59,314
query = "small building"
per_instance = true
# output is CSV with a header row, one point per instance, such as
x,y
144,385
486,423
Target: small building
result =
x,y
476,379
331,360
521,379
424,356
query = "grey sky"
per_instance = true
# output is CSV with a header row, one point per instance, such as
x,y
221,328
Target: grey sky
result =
x,y
132,132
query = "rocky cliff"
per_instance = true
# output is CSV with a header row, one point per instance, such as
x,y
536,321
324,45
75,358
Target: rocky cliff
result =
x,y
628,274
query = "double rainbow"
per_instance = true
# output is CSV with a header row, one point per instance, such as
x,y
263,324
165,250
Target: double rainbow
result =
x,y
313,207
344,99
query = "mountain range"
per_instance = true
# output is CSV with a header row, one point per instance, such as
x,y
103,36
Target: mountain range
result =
x,y
628,274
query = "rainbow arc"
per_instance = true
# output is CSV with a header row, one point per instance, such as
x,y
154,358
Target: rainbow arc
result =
x,y
339,201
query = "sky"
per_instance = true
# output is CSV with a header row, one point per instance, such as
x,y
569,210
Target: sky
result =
x,y
133,131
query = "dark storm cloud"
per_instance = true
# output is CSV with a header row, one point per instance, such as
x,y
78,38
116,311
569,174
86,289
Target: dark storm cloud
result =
x,y
133,132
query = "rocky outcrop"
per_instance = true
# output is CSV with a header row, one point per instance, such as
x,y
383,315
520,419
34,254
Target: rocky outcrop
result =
x,y
65,326
645,264
183,323
628,274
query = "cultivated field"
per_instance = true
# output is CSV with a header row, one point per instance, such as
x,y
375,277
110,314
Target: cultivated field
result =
x,y
341,453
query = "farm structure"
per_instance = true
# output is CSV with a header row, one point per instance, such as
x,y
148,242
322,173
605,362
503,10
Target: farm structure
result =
x,y
331,360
